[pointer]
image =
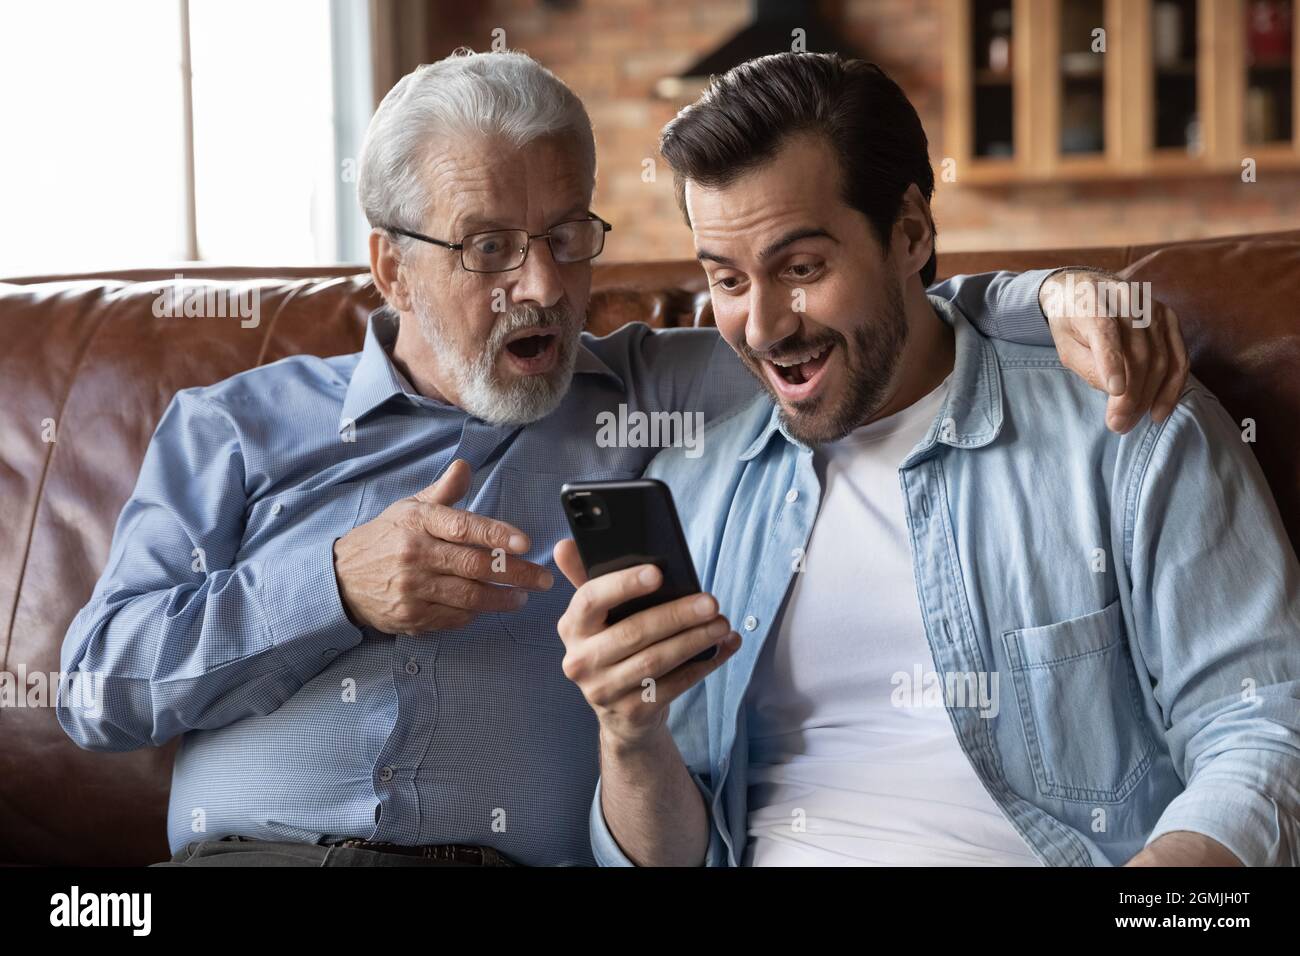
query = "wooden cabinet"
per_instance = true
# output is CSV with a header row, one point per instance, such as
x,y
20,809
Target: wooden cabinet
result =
x,y
1081,89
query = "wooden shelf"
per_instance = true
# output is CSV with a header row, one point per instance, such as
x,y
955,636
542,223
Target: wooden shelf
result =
x,y
1277,155
1169,163
1027,102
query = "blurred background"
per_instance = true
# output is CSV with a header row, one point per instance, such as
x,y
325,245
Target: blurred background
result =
x,y
152,132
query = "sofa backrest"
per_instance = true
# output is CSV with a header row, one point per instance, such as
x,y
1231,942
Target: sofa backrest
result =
x,y
87,367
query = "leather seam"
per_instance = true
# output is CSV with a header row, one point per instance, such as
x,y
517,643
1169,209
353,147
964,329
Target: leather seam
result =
x,y
275,317
40,487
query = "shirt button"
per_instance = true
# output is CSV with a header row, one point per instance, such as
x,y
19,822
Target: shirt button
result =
x,y
751,622
412,667
276,508
329,652
792,496
386,774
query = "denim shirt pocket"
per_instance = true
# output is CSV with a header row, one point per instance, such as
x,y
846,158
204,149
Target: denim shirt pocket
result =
x,y
1077,693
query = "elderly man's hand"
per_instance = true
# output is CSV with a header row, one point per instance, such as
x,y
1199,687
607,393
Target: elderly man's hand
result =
x,y
1143,367
423,565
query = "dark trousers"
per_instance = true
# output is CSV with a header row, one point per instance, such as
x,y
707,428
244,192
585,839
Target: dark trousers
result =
x,y
244,851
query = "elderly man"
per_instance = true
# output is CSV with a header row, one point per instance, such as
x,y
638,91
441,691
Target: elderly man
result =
x,y
332,580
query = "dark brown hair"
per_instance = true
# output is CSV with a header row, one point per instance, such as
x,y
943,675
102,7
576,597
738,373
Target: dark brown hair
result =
x,y
746,114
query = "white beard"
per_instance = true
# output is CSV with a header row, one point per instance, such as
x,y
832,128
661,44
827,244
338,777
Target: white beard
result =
x,y
479,388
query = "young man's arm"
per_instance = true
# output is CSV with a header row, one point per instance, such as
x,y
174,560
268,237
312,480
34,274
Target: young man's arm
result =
x,y
658,806
1215,591
650,809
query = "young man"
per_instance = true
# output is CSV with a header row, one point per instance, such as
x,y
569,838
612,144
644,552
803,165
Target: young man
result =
x,y
977,626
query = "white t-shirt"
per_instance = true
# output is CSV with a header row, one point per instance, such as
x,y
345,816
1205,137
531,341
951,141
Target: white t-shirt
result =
x,y
838,774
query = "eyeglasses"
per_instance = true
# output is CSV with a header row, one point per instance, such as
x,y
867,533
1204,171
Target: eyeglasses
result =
x,y
503,250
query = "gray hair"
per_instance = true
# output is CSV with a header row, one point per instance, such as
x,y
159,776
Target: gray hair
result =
x,y
506,94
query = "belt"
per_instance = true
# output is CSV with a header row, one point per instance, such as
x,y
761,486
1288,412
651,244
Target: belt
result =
x,y
446,852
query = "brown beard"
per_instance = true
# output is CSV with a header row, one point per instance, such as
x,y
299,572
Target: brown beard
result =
x,y
870,364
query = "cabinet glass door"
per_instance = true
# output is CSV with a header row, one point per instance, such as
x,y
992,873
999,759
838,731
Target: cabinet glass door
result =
x,y
1270,72
1082,67
991,34
1176,123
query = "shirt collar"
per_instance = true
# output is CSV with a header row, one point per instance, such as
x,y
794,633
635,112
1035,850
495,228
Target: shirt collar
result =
x,y
376,379
774,425
971,415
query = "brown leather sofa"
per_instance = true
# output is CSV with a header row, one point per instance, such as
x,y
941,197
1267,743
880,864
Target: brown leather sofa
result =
x,y
89,355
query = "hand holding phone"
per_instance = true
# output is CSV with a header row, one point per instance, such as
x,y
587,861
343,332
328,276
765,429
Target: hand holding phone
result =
x,y
619,524
638,615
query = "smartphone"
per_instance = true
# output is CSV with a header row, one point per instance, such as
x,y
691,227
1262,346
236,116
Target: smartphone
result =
x,y
620,524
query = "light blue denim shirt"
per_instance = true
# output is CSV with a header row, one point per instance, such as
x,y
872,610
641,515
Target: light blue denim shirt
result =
x,y
1136,596
218,620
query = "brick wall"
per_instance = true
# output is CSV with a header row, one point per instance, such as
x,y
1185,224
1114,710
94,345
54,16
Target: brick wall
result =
x,y
612,52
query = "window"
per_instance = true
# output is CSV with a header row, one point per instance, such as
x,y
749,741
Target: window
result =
x,y
98,172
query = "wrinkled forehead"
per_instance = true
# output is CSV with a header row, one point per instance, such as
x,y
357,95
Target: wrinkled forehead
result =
x,y
490,182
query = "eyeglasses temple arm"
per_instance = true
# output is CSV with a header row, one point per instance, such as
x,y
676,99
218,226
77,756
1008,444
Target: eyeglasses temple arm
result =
x,y
423,238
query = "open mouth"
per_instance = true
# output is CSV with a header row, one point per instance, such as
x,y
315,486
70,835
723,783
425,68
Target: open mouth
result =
x,y
797,375
533,351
